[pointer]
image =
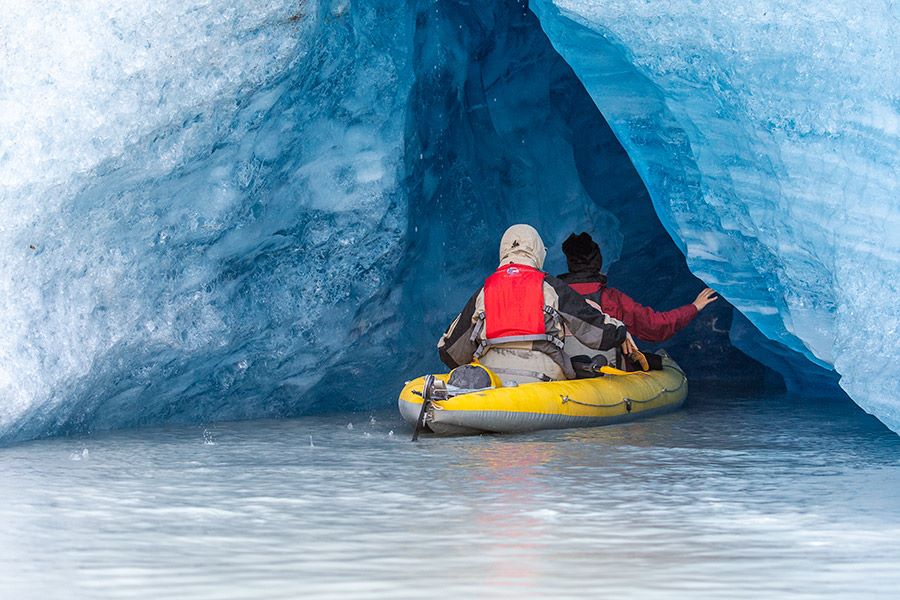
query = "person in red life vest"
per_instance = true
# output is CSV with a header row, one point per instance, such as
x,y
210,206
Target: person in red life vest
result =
x,y
584,260
516,323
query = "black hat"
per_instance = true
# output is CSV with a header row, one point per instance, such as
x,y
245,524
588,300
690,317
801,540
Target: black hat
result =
x,y
582,253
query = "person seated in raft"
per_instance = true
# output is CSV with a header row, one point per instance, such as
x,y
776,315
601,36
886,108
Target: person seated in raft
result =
x,y
516,323
585,260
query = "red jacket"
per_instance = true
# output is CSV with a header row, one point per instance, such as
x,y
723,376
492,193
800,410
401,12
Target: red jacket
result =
x,y
642,322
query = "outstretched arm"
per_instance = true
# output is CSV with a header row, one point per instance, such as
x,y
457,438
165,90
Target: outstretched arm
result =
x,y
654,326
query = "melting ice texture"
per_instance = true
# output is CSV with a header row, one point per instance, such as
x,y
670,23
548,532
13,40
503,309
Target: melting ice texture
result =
x,y
210,209
196,195
216,222
768,135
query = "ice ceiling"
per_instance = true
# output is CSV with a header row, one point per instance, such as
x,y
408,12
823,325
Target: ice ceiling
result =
x,y
242,209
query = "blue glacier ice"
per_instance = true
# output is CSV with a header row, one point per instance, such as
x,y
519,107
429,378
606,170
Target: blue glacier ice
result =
x,y
187,188
768,135
243,209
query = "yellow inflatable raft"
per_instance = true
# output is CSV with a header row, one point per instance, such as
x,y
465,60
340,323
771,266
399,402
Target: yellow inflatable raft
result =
x,y
615,397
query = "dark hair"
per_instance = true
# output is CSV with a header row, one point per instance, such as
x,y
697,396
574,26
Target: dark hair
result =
x,y
582,253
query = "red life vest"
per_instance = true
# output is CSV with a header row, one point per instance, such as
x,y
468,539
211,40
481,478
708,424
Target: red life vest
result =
x,y
586,288
514,305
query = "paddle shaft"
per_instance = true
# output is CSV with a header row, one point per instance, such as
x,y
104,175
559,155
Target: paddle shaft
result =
x,y
427,387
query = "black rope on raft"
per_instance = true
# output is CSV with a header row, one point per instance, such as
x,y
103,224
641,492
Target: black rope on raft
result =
x,y
629,401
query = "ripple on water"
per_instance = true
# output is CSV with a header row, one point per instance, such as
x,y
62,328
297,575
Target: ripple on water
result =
x,y
737,498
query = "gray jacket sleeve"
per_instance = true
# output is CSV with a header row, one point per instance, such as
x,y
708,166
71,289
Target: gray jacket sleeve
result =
x,y
456,346
593,328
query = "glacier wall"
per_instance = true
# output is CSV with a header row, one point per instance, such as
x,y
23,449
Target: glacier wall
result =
x,y
197,197
768,135
235,210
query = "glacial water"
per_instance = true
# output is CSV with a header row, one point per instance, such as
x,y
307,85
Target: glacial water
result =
x,y
755,497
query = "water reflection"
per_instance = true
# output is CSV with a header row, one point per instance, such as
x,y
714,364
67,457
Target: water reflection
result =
x,y
506,477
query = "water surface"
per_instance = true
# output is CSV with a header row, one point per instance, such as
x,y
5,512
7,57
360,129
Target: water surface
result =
x,y
741,498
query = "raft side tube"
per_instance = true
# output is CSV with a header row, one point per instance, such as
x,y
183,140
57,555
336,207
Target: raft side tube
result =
x,y
615,398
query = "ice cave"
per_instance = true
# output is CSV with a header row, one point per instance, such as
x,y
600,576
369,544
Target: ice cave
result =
x,y
231,210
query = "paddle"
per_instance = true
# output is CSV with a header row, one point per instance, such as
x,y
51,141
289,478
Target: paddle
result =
x,y
427,389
